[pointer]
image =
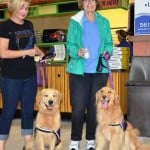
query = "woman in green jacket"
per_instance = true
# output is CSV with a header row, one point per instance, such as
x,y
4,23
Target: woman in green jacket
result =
x,y
89,45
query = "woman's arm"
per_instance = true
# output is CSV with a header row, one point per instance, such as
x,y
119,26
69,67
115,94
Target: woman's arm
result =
x,y
39,51
7,53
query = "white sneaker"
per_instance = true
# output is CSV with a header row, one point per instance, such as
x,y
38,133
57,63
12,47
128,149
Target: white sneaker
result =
x,y
90,145
74,145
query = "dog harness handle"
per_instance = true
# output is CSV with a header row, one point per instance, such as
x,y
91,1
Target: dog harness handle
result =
x,y
123,124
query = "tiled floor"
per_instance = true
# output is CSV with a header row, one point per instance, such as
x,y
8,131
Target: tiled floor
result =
x,y
15,141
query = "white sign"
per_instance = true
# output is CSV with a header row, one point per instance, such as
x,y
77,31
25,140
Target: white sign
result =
x,y
60,52
142,17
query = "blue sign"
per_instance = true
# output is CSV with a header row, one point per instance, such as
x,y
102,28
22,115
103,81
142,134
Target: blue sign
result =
x,y
142,24
142,17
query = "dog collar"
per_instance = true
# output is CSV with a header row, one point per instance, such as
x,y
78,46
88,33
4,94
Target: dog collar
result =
x,y
57,133
123,124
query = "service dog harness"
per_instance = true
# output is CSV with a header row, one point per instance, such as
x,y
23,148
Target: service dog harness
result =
x,y
123,124
56,133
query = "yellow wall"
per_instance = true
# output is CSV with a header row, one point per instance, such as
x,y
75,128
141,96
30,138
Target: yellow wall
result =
x,y
118,18
131,1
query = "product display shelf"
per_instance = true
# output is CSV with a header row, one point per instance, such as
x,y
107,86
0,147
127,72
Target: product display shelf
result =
x,y
4,14
53,9
59,8
49,44
45,47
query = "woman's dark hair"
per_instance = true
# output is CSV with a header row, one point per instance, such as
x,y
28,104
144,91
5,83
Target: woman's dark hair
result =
x,y
80,4
121,34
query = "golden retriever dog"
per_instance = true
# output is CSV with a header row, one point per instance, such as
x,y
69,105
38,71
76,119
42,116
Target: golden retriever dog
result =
x,y
113,131
48,122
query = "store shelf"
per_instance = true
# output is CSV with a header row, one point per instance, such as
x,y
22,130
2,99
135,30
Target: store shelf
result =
x,y
61,8
60,51
46,9
53,9
49,44
4,14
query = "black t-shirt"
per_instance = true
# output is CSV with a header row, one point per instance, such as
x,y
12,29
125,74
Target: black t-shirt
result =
x,y
20,37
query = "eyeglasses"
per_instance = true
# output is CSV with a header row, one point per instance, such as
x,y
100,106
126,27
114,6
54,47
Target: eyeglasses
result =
x,y
89,1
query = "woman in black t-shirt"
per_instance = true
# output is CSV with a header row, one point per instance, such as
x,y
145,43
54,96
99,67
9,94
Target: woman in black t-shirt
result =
x,y
18,71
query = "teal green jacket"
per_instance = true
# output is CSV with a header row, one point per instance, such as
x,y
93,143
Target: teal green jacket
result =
x,y
75,64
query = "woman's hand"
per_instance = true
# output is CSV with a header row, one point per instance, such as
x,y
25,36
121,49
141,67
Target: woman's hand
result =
x,y
30,52
82,52
39,52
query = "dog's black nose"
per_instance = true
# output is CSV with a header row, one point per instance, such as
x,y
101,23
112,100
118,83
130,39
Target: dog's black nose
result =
x,y
104,96
50,102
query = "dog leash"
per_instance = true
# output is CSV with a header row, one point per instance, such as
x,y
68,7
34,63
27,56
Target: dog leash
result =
x,y
109,69
43,80
40,78
100,66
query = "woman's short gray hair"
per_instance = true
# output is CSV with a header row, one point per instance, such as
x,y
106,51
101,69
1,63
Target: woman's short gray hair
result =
x,y
80,4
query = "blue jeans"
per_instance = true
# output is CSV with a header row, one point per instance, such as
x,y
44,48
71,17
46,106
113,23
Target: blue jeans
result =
x,y
13,91
82,95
